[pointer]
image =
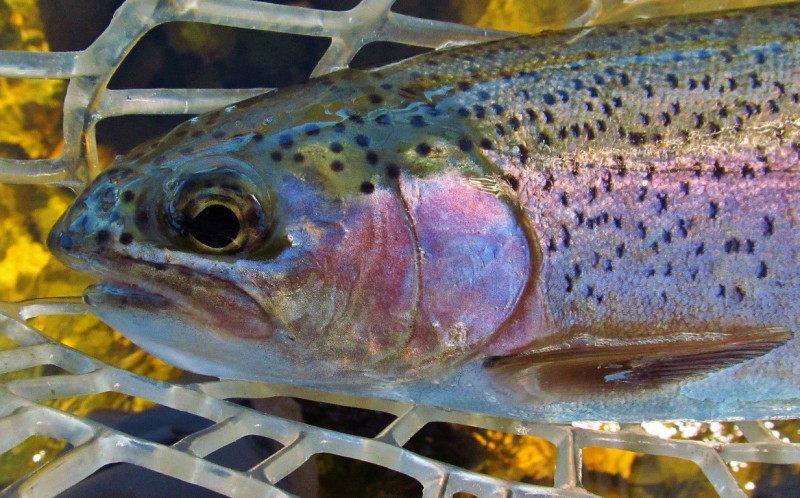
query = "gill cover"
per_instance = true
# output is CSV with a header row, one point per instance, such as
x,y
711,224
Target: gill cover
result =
x,y
475,259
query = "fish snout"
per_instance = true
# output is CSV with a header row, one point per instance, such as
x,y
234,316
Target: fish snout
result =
x,y
87,227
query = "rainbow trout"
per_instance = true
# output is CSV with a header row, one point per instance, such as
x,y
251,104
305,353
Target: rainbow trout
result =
x,y
589,224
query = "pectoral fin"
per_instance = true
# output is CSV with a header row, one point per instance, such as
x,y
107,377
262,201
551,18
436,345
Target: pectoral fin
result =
x,y
586,364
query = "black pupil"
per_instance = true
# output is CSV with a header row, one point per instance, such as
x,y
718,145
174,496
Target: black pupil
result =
x,y
216,226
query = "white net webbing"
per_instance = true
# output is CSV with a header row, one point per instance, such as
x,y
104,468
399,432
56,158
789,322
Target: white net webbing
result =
x,y
91,445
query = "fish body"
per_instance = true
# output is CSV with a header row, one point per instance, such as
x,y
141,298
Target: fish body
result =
x,y
592,224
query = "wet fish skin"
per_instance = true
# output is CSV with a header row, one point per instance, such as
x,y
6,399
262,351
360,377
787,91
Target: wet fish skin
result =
x,y
639,181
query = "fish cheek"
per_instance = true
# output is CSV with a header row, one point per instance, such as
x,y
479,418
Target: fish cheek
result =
x,y
349,298
475,259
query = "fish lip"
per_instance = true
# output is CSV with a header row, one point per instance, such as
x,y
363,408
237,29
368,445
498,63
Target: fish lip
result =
x,y
155,294
123,291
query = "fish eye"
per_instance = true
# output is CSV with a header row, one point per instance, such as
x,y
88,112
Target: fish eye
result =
x,y
219,205
215,226
219,216
222,219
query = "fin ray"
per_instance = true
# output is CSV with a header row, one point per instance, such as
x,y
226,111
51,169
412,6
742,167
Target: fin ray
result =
x,y
586,364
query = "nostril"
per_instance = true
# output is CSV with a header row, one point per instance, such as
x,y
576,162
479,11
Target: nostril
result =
x,y
59,241
65,242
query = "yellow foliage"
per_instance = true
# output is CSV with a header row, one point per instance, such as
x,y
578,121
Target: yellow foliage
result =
x,y
521,16
516,457
609,461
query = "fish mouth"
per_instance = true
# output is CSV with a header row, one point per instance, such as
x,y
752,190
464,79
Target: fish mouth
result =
x,y
206,301
125,294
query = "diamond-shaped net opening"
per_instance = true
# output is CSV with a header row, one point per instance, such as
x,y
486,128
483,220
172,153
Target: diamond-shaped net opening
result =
x,y
66,416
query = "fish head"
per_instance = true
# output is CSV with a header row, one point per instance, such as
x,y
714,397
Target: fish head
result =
x,y
321,252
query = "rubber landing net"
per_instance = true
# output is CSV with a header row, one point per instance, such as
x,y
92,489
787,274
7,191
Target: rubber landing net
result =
x,y
90,445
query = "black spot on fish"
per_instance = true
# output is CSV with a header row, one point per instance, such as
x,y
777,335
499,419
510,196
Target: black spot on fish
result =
x,y
465,144
544,139
102,236
523,153
128,196
769,226
718,171
713,209
285,141
762,270
125,238
299,158
393,170
356,119
372,158
423,149
732,246
367,187
641,229
662,202
655,247
276,156
337,166
566,238
671,80
511,180
362,141
636,138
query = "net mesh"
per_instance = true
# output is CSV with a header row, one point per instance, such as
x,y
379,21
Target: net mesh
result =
x,y
52,370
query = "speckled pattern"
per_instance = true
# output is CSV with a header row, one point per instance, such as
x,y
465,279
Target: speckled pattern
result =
x,y
398,224
658,162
